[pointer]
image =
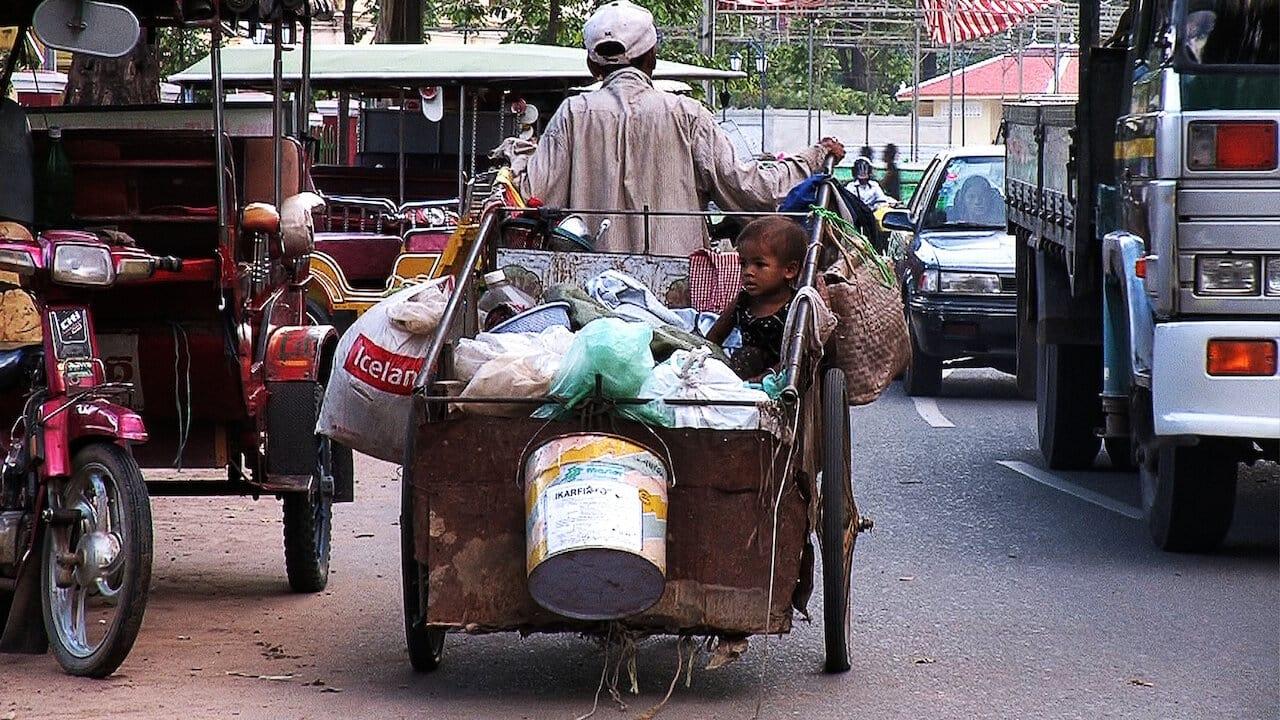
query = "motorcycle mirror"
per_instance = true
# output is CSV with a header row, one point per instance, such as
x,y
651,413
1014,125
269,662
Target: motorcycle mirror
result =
x,y
17,191
86,26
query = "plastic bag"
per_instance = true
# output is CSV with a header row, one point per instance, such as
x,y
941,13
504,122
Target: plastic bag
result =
x,y
516,374
417,313
377,363
615,351
469,354
695,375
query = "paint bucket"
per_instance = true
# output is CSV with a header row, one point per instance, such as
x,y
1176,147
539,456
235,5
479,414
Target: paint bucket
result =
x,y
595,526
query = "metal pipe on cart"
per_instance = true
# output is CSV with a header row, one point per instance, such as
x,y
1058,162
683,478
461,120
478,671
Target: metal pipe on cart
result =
x,y
304,88
400,149
462,130
808,275
664,213
219,152
277,106
487,224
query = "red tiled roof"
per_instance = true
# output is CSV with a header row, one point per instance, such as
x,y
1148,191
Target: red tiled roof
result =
x,y
997,77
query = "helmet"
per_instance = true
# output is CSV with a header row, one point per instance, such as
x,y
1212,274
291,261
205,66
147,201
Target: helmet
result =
x,y
862,168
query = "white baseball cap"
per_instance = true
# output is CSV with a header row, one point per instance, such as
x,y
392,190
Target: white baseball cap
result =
x,y
624,24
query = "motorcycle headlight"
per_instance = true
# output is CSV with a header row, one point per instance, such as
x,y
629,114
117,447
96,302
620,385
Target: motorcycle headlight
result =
x,y
17,261
1226,275
83,265
969,283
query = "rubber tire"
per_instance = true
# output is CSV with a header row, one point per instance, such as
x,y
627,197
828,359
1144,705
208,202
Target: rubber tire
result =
x,y
837,564
308,517
1120,452
137,584
1189,494
426,646
1026,369
923,376
1068,380
318,314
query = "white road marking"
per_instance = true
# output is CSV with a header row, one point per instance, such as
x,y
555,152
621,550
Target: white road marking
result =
x,y
927,409
1059,483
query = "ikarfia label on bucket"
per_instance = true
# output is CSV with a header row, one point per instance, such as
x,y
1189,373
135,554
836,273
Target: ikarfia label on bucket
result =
x,y
593,513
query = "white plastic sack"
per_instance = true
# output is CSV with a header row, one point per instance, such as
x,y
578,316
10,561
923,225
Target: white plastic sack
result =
x,y
630,298
377,362
515,375
469,354
695,375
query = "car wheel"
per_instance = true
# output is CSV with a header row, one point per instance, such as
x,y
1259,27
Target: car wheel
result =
x,y
923,376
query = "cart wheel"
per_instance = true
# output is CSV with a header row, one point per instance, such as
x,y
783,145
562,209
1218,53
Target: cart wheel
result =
x,y
426,645
308,517
837,487
93,603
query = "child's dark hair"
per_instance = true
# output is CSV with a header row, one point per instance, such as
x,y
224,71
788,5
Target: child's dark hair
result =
x,y
784,237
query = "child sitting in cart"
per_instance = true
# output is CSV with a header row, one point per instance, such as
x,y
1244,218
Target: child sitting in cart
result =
x,y
771,253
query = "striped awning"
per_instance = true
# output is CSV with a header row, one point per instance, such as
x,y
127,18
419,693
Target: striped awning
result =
x,y
964,20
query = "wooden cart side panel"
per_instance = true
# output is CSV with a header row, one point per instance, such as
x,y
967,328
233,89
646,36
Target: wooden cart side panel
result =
x,y
720,528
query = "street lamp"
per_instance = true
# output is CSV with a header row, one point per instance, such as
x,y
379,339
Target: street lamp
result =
x,y
762,66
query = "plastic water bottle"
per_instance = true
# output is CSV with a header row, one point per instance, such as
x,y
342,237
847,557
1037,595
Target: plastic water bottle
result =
x,y
55,190
501,300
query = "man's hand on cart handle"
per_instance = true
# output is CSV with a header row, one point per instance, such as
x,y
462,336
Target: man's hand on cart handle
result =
x,y
834,147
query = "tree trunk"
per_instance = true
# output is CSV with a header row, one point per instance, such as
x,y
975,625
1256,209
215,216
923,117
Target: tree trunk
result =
x,y
130,80
552,31
400,21
344,98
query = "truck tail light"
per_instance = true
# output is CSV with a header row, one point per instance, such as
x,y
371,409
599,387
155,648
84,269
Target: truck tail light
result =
x,y
1241,357
1231,145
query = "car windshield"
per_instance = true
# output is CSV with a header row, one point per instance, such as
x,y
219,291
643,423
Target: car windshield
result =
x,y
1231,32
969,196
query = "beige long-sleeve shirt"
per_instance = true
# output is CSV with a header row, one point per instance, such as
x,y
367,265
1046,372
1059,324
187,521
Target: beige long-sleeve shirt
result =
x,y
628,145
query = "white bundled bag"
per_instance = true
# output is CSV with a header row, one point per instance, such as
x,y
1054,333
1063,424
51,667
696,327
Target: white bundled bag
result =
x,y
377,362
469,354
695,375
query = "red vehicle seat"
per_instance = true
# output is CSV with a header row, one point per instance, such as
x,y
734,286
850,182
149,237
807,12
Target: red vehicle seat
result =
x,y
366,259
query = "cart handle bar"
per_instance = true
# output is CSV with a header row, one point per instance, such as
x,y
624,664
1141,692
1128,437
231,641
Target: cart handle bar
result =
x,y
804,308
657,213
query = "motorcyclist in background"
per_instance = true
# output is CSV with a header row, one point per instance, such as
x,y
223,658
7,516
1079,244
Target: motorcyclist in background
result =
x,y
868,190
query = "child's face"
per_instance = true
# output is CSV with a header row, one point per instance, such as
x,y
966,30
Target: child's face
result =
x,y
763,274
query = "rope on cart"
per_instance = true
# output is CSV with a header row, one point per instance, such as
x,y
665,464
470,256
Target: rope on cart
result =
x,y
849,241
773,563
604,671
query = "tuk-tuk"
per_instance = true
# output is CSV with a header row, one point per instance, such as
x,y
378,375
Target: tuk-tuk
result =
x,y
214,350
390,215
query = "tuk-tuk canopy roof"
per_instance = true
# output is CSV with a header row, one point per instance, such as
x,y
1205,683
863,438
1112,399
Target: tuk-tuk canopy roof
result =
x,y
18,12
374,67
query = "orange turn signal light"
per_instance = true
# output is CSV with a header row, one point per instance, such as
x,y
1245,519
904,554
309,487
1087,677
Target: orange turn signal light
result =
x,y
1140,267
1241,357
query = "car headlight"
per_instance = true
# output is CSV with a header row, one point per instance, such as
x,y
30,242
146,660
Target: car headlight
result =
x,y
969,283
83,265
1272,280
1226,275
928,281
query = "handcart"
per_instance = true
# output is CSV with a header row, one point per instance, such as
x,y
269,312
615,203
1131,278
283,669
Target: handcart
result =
x,y
739,515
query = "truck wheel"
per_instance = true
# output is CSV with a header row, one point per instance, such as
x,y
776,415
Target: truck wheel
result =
x,y
923,376
1120,451
1189,493
1068,380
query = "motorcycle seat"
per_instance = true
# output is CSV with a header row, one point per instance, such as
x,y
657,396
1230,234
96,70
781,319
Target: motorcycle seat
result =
x,y
12,366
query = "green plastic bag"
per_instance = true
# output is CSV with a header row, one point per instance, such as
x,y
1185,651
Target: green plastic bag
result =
x,y
614,350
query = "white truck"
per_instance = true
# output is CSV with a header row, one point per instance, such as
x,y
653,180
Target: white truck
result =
x,y
1147,216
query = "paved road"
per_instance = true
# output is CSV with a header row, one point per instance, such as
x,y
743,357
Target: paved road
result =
x,y
982,592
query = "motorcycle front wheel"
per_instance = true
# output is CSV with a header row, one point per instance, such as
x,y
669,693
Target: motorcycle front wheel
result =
x,y
96,569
